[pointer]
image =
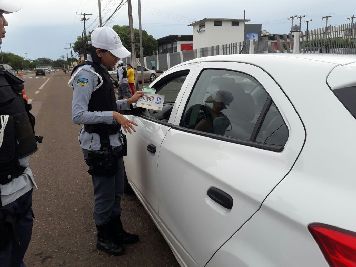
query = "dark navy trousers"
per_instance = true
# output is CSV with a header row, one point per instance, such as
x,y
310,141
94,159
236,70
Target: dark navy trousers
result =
x,y
108,191
13,254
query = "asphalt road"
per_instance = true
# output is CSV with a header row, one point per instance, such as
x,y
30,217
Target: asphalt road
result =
x,y
64,230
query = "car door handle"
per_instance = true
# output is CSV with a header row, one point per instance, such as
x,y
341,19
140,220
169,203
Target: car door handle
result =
x,y
221,197
151,148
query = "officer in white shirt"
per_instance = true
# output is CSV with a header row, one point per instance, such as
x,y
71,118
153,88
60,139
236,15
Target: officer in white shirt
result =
x,y
94,105
17,142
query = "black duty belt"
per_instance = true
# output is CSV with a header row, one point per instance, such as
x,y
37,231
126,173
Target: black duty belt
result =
x,y
107,129
7,177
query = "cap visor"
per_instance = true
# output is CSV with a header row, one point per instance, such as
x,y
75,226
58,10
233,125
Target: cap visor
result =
x,y
121,52
9,7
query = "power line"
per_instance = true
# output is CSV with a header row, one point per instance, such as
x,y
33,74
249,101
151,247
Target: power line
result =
x,y
122,3
94,24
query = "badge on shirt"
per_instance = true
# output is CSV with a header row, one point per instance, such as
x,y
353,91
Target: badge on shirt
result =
x,y
82,81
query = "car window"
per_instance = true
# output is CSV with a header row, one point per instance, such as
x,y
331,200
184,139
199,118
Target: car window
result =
x,y
274,131
347,97
229,104
169,87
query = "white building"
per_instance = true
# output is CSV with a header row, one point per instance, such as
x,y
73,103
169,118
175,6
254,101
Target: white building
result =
x,y
217,31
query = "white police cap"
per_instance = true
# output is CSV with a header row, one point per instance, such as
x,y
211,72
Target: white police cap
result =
x,y
8,6
106,38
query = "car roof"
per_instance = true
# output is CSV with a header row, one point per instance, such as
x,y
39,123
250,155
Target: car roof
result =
x,y
337,70
287,59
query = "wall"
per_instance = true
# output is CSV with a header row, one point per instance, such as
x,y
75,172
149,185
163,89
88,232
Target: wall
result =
x,y
179,43
217,35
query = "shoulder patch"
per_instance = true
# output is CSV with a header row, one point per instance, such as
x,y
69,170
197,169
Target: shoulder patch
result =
x,y
81,81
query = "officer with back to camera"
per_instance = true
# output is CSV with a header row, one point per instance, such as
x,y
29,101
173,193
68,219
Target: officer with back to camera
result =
x,y
95,107
124,91
17,143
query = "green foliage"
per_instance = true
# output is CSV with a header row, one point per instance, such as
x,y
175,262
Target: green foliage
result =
x,y
13,60
148,42
43,62
19,63
81,45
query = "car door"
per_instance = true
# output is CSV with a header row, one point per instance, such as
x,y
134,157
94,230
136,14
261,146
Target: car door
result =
x,y
144,144
234,139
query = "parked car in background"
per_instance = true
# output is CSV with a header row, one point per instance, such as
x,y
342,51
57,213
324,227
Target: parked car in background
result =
x,y
250,161
148,75
40,72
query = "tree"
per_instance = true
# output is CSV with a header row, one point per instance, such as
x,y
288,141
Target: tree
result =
x,y
13,60
149,43
59,63
81,45
43,62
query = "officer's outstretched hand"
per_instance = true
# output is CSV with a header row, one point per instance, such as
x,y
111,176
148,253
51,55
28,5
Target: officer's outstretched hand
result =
x,y
135,97
125,123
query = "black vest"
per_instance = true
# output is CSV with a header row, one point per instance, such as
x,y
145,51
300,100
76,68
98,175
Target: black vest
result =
x,y
18,137
102,99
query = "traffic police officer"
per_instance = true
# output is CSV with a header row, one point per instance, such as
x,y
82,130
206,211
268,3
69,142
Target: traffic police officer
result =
x,y
95,106
17,142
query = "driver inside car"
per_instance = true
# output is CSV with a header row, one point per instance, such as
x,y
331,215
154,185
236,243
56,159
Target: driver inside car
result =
x,y
214,120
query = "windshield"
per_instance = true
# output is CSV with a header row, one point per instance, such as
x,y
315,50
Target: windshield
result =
x,y
347,97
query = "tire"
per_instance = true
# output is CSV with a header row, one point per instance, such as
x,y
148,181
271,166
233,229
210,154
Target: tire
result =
x,y
152,77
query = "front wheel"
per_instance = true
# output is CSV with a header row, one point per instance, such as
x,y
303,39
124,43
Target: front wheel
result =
x,y
152,77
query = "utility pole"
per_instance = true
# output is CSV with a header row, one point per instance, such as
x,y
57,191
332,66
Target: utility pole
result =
x,y
141,47
100,19
307,22
352,25
352,20
67,48
300,22
132,37
292,19
84,19
326,23
132,34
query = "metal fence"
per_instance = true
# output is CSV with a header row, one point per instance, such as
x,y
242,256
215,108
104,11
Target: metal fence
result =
x,y
332,40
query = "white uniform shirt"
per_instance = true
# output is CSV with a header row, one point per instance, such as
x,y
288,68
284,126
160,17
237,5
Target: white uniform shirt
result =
x,y
84,82
18,186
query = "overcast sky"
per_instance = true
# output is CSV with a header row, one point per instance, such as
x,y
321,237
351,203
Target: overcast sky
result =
x,y
44,28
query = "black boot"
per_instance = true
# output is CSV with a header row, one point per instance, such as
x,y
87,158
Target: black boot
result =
x,y
121,236
105,241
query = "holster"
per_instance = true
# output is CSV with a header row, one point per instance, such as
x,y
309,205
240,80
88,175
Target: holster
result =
x,y
103,162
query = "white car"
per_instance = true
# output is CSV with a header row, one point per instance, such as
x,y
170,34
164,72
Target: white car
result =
x,y
148,75
251,160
